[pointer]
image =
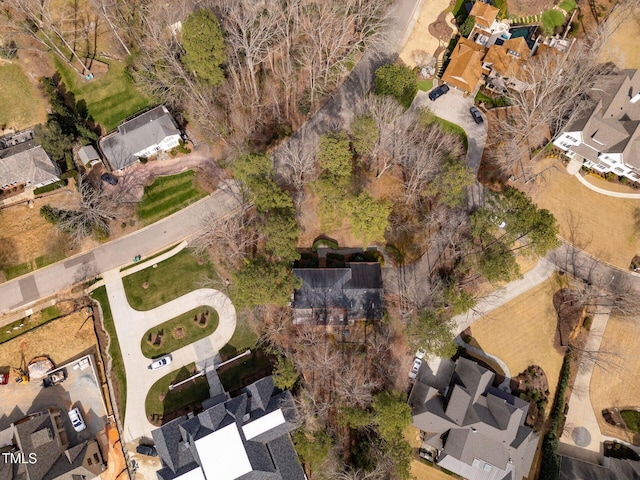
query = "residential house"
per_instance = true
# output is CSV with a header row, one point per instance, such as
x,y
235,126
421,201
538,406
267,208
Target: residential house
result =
x,y
338,296
42,438
487,29
246,437
24,165
604,133
469,427
465,65
503,63
611,469
141,137
88,155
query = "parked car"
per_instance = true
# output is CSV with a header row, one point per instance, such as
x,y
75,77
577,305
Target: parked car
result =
x,y
160,362
148,450
4,378
76,420
417,363
420,353
477,116
438,92
110,179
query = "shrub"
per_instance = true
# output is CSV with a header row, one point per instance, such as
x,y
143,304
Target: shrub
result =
x,y
51,187
588,320
143,160
397,81
324,242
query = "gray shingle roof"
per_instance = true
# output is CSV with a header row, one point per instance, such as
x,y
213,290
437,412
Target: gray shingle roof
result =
x,y
479,429
88,154
20,164
137,134
267,452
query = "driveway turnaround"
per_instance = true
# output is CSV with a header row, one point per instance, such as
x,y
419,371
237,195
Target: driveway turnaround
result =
x,y
132,324
18,294
454,107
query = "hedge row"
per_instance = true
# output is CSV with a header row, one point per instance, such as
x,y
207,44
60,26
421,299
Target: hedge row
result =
x,y
51,187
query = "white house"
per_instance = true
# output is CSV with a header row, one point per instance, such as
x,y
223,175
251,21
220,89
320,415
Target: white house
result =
x,y
142,136
604,135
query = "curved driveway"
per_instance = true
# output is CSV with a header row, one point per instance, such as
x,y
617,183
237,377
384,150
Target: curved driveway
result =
x,y
132,324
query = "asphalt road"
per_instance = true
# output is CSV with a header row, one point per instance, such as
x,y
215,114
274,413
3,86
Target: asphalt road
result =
x,y
21,292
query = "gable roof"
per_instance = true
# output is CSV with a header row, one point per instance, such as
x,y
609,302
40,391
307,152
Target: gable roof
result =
x,y
24,163
246,437
479,430
610,122
485,13
465,65
136,135
88,154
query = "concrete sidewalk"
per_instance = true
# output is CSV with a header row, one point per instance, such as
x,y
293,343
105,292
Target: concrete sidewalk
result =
x,y
132,324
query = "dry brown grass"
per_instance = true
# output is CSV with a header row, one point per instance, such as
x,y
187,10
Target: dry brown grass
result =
x,y
599,231
622,46
420,38
60,340
523,332
615,384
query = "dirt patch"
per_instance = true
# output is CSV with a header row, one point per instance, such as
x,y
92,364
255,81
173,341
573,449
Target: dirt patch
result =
x,y
178,332
523,332
421,38
609,237
60,340
612,381
116,465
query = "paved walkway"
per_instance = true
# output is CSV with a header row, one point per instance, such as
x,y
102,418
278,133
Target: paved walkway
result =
x,y
574,168
541,272
130,327
581,426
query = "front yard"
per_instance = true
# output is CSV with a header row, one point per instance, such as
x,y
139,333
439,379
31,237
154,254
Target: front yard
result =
x,y
523,333
179,332
614,379
172,278
587,217
163,404
167,195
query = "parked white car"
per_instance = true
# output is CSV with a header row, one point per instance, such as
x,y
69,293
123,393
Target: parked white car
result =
x,y
160,362
420,353
76,420
417,363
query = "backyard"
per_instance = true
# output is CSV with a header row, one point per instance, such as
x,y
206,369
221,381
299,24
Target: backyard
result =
x,y
527,332
172,278
609,237
179,332
623,44
612,382
23,110
167,195
117,364
163,404
111,97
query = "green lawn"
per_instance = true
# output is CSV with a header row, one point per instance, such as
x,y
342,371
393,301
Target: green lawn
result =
x,y
111,97
21,104
425,85
146,259
550,20
172,278
37,319
168,195
453,129
631,419
192,332
117,364
243,338
568,5
245,371
161,401
15,271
